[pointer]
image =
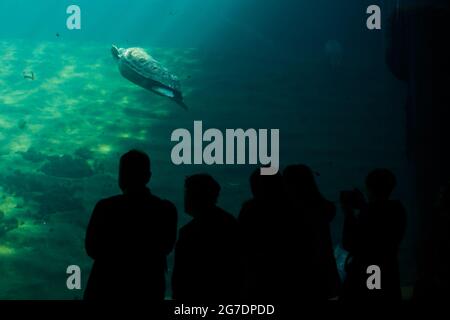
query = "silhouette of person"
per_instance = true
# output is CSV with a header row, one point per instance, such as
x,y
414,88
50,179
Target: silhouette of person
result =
x,y
373,238
261,222
315,272
434,278
207,254
129,237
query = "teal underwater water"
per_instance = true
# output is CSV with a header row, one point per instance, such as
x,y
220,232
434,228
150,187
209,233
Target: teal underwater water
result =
x,y
242,64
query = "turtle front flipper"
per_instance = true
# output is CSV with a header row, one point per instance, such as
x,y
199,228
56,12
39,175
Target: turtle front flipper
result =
x,y
164,92
172,94
115,52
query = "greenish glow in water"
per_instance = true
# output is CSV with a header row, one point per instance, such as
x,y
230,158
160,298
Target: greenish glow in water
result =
x,y
78,108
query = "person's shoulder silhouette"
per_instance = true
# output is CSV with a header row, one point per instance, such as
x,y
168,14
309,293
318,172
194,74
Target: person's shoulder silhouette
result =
x,y
129,237
207,252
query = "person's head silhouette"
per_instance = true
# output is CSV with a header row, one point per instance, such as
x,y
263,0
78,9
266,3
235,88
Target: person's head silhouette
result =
x,y
201,192
300,183
134,171
379,184
265,187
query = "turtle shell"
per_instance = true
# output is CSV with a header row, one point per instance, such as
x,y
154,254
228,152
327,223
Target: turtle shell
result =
x,y
145,65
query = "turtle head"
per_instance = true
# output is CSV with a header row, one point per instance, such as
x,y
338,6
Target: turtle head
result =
x,y
115,52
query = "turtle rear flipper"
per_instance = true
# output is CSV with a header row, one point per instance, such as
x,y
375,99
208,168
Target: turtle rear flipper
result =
x,y
181,104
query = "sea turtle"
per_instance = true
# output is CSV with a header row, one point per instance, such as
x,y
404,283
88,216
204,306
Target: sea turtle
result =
x,y
136,65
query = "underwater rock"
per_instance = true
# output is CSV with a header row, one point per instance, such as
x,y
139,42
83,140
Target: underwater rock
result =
x,y
7,225
99,167
83,153
67,167
50,196
33,155
58,200
22,124
21,184
57,197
